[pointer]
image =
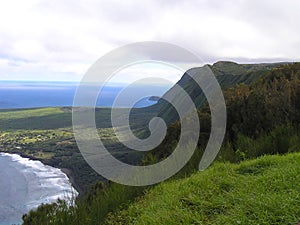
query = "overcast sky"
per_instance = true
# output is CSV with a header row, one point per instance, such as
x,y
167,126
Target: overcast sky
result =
x,y
60,39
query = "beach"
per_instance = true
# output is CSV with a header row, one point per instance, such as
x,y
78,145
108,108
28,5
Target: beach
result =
x,y
25,184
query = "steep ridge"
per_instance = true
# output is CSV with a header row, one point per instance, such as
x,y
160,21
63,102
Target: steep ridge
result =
x,y
228,74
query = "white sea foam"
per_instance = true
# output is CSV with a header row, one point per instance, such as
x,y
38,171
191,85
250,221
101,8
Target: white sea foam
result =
x,y
45,184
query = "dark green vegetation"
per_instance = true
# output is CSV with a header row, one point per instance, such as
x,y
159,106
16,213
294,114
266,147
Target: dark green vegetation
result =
x,y
263,104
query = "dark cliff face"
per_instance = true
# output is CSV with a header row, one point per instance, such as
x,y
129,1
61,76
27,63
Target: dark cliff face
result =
x,y
228,74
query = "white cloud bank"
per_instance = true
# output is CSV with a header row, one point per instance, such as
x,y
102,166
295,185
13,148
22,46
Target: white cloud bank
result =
x,y
60,39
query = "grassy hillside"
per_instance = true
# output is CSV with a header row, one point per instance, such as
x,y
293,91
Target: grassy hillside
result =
x,y
261,191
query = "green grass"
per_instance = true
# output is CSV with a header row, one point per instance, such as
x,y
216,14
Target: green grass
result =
x,y
261,191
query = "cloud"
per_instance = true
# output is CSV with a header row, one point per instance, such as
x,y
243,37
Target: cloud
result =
x,y
60,39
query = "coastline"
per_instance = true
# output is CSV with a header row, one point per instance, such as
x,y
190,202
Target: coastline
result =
x,y
26,184
66,171
69,174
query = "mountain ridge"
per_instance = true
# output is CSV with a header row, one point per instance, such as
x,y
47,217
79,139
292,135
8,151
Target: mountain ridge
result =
x,y
227,73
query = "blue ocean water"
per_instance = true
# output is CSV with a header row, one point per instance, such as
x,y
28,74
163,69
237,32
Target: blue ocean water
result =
x,y
25,184
27,94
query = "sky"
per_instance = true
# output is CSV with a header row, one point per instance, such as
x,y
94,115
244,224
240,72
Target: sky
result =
x,y
59,40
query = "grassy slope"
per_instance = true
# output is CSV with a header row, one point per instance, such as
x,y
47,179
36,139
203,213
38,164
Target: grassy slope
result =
x,y
262,191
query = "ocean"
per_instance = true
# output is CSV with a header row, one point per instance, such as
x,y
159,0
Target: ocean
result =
x,y
25,184
33,94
